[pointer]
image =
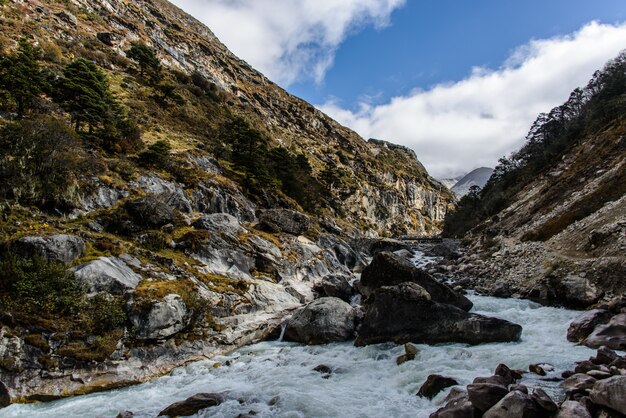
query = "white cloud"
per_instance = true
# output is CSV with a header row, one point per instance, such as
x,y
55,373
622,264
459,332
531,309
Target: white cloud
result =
x,y
456,127
288,40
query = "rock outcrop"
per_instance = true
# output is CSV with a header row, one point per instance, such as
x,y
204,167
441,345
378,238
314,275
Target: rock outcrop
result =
x,y
60,248
107,274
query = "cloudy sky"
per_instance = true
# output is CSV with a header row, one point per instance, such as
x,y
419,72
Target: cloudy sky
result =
x,y
459,82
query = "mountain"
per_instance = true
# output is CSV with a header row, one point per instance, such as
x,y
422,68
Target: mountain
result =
x,y
551,222
477,177
450,182
164,202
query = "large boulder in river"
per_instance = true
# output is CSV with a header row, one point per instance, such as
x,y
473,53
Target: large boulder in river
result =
x,y
435,384
581,327
610,392
406,313
572,409
515,405
322,321
193,404
108,274
59,248
284,220
575,291
161,319
388,269
611,335
459,407
485,395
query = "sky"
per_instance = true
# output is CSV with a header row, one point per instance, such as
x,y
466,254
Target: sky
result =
x,y
458,81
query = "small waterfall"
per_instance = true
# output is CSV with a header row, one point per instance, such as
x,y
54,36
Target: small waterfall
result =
x,y
283,327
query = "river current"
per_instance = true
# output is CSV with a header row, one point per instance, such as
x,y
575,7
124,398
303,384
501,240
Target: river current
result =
x,y
276,379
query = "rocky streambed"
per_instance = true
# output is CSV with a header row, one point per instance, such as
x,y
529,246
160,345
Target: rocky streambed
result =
x,y
278,378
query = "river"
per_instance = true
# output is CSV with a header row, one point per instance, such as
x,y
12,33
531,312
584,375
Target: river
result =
x,y
366,382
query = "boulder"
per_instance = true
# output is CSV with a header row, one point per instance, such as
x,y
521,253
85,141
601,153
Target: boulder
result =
x,y
337,286
505,373
578,381
581,327
485,395
406,313
150,211
572,409
434,384
515,405
161,320
106,38
605,356
536,369
611,335
388,269
192,405
220,222
284,220
611,393
125,414
58,248
544,401
410,351
107,274
574,291
322,321
459,407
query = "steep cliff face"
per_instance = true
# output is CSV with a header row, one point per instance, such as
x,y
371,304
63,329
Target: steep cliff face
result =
x,y
382,192
146,259
561,235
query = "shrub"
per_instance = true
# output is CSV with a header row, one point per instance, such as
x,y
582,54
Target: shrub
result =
x,y
39,163
106,313
39,286
157,155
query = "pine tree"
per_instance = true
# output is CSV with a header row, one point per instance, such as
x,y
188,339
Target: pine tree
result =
x,y
146,58
21,78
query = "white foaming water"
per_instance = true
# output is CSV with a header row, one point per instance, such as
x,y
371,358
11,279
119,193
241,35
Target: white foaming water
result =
x,y
366,382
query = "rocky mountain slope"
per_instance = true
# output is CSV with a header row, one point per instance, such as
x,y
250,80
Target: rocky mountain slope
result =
x,y
162,201
552,220
477,177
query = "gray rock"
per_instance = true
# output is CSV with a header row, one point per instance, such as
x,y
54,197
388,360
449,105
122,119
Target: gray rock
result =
x,y
434,384
322,321
193,404
605,356
337,286
108,274
514,405
216,198
388,269
611,335
170,193
60,248
125,414
162,319
67,17
611,393
284,220
581,327
460,407
575,291
572,409
220,222
150,211
544,401
406,313
578,381
485,395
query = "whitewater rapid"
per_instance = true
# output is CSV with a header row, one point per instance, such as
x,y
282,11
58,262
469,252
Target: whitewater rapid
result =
x,y
366,382
276,379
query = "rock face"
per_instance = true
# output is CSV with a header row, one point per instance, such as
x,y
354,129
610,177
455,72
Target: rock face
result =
x,y
388,269
193,404
108,274
322,321
60,248
610,392
406,313
161,319
284,220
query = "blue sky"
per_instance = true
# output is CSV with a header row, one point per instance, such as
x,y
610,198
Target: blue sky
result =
x,y
429,42
458,81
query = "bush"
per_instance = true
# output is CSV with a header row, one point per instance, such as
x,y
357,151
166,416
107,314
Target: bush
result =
x,y
106,313
39,286
39,163
157,155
